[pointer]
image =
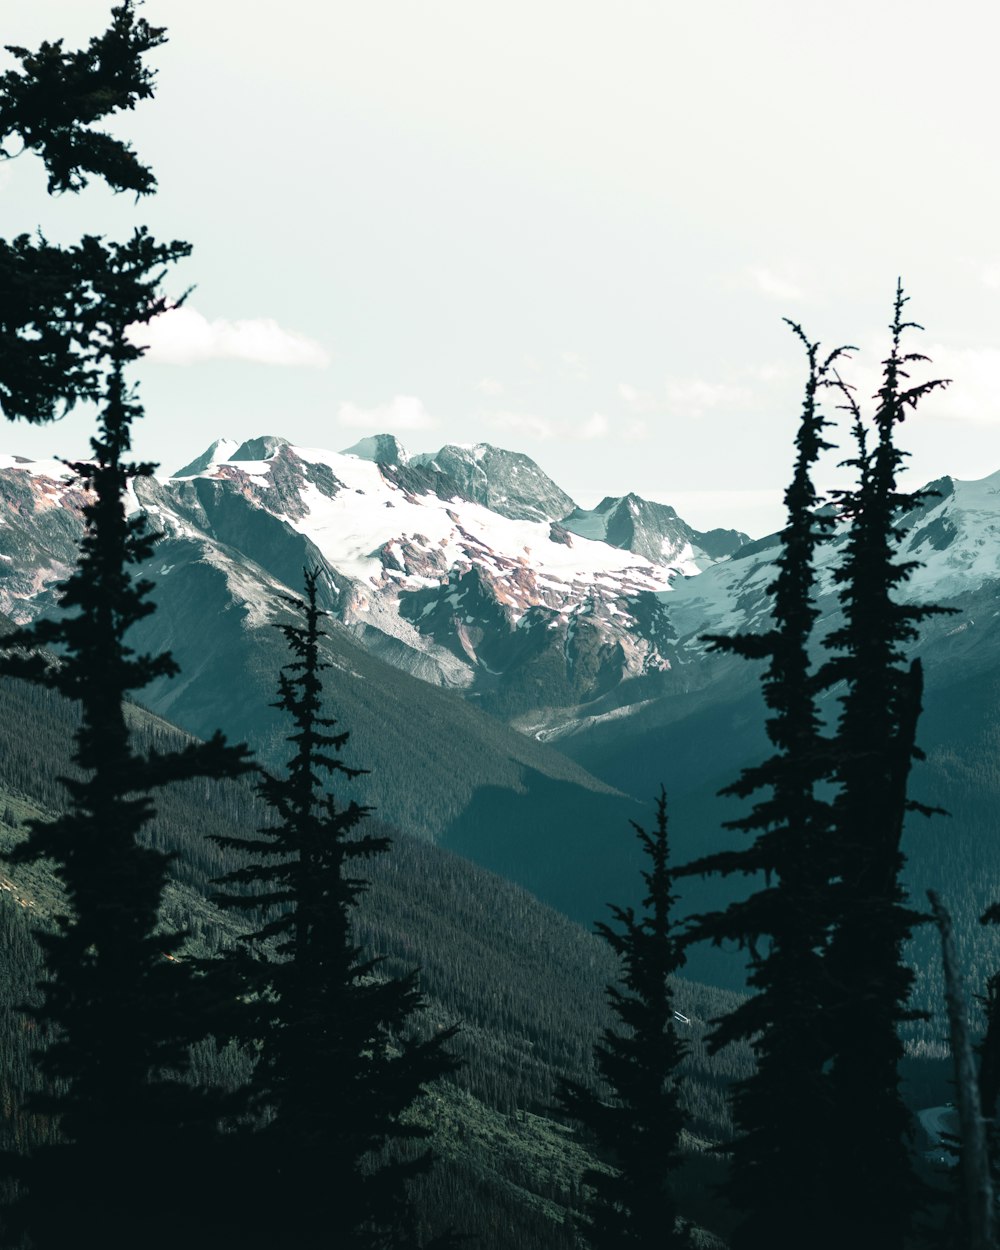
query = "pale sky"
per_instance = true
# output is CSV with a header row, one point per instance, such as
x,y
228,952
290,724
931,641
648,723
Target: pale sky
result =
x,y
569,228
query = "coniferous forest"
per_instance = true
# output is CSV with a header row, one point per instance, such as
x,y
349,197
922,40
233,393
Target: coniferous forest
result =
x,y
239,1008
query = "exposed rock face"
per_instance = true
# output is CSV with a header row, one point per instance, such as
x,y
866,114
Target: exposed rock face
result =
x,y
262,448
380,449
506,482
653,530
457,566
40,526
221,449
520,609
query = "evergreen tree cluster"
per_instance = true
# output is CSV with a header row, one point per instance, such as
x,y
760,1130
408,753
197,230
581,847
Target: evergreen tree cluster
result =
x,y
776,1178
823,1153
321,1132
120,1009
337,1072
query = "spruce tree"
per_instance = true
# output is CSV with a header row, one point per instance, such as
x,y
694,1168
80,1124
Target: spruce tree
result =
x,y
51,106
337,1073
116,1003
778,1180
866,983
636,1132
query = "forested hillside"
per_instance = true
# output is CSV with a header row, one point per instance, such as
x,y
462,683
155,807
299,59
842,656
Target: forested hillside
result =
x,y
525,984
284,968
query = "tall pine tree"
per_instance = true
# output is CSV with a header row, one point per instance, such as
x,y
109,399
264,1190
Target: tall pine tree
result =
x,y
636,1132
866,983
115,1000
778,1181
337,1071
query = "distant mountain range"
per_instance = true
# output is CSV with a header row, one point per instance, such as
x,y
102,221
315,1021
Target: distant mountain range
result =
x,y
520,673
469,567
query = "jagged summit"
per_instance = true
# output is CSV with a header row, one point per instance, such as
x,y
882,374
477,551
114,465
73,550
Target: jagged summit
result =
x,y
222,449
650,529
380,449
226,450
506,482
262,448
469,566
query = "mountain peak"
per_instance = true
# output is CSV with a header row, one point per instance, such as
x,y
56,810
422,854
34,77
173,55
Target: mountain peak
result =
x,y
507,482
650,529
379,448
221,449
262,448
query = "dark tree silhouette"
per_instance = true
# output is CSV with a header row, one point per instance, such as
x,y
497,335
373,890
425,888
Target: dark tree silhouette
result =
x,y
52,102
337,1075
44,369
976,1208
957,1234
989,1047
866,983
637,1131
116,1002
50,105
779,1179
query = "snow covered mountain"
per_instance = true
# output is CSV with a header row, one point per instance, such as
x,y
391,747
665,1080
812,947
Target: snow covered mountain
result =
x,y
468,567
456,565
456,592
471,570
705,720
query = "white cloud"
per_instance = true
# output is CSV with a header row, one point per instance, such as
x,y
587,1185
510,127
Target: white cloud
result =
x,y
489,386
773,373
596,426
402,412
183,336
691,397
524,423
574,366
683,397
637,400
529,425
974,392
771,285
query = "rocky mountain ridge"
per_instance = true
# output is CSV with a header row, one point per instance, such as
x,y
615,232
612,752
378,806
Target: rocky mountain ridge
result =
x,y
468,567
472,569
446,609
